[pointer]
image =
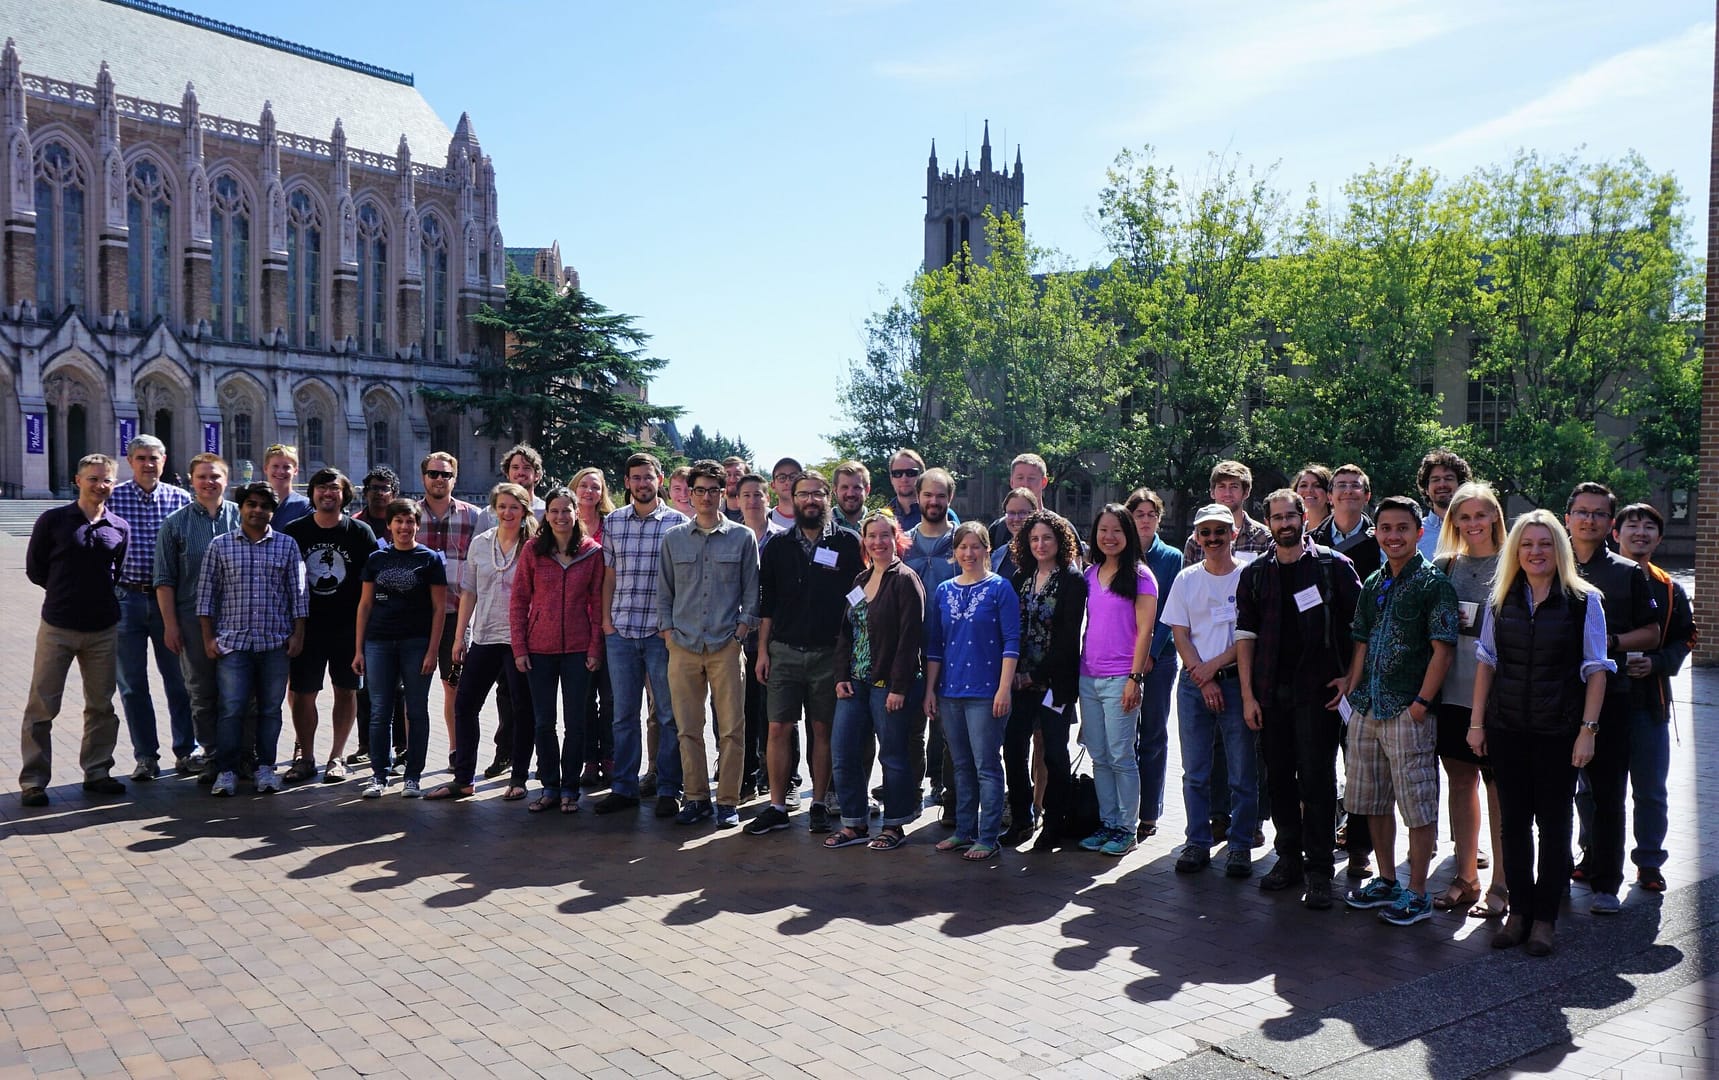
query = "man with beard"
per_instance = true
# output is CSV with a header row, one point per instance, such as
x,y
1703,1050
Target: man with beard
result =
x,y
1231,483
733,468
1293,610
905,469
806,576
449,525
335,548
1349,531
853,486
1441,473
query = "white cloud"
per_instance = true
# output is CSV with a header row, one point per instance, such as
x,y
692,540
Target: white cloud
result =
x,y
1663,69
942,71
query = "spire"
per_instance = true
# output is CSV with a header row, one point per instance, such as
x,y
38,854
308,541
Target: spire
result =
x,y
966,162
11,85
1017,159
933,165
191,117
406,192
109,108
342,161
985,150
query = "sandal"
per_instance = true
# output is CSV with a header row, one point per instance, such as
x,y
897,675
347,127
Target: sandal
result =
x,y
847,837
980,852
544,802
569,804
449,791
1496,903
888,840
513,794
954,843
301,771
1460,894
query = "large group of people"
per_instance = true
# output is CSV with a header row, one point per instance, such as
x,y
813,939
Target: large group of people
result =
x,y
1528,660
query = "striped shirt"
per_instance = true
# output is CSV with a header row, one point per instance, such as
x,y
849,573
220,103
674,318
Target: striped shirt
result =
x,y
632,547
253,589
144,511
451,534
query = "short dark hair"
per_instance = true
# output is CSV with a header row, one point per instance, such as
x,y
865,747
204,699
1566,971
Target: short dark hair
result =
x,y
385,475
1143,495
1589,487
328,474
1440,458
1641,510
641,458
1353,469
522,450
259,490
408,507
809,474
1288,495
710,470
752,478
1400,502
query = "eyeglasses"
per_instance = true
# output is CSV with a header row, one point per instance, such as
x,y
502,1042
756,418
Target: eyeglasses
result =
x,y
1347,487
707,491
438,474
902,473
811,494
1207,534
1016,513
1591,515
779,477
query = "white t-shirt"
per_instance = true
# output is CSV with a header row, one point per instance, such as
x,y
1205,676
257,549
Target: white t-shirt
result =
x,y
1206,604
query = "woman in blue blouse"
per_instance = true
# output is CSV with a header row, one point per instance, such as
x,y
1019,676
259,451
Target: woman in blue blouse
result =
x,y
972,644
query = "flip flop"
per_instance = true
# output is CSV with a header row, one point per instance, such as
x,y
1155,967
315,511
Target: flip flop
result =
x,y
569,806
980,852
954,843
544,802
449,791
513,794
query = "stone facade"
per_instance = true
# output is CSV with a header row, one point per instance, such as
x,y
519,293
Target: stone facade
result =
x,y
223,284
955,204
1706,508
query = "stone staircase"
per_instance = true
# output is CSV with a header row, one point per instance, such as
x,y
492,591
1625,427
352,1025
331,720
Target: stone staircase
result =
x,y
17,516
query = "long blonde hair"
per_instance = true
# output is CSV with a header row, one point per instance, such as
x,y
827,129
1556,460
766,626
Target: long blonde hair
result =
x,y
1510,563
605,504
528,523
1450,541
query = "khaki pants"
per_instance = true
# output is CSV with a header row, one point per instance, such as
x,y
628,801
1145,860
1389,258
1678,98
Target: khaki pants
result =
x,y
720,675
95,652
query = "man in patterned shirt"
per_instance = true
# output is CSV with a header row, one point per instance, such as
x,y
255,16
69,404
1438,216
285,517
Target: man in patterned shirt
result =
x,y
144,502
252,605
1232,483
1405,638
632,627
449,525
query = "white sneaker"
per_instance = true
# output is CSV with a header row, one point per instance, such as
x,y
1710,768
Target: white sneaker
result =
x,y
266,780
225,784
410,791
375,788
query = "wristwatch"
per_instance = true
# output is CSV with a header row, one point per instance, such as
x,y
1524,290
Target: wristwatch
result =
x,y
1422,702
1138,678
1592,725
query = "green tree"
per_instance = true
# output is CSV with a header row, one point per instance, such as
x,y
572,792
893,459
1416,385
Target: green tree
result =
x,y
571,381
885,396
698,446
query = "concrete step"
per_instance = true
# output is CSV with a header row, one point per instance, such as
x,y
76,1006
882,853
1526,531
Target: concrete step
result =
x,y
18,516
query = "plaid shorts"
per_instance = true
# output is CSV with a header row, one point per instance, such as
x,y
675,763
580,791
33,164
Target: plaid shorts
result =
x,y
1393,763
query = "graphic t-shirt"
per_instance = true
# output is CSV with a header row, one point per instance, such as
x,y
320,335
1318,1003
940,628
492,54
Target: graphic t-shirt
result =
x,y
403,580
333,564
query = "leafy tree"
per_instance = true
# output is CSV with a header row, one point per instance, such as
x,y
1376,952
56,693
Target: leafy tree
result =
x,y
886,397
698,446
571,382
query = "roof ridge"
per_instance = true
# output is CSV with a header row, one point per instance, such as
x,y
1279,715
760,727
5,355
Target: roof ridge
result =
x,y
203,22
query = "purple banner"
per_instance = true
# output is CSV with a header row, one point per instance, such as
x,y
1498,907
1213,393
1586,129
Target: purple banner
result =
x,y
212,437
35,433
127,432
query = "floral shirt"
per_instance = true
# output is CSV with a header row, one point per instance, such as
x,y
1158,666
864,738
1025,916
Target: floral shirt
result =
x,y
1399,618
858,624
1038,611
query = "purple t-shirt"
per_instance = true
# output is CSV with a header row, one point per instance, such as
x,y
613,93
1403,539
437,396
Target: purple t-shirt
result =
x,y
1110,626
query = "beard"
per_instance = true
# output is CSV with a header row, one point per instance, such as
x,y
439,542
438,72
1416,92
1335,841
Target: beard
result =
x,y
937,515
810,517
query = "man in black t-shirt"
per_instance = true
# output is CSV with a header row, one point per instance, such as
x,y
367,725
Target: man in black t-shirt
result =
x,y
335,549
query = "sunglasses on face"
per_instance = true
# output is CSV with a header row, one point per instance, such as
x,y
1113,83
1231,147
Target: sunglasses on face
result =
x,y
903,473
1207,534
438,474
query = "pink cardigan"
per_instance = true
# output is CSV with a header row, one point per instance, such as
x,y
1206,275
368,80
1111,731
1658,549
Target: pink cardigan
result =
x,y
555,609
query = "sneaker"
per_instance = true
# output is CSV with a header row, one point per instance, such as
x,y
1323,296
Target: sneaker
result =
x,y
397,769
648,785
206,775
727,817
667,806
497,767
769,821
225,784
792,802
375,788
1121,842
147,769
1239,863
695,811
360,758
1374,894
1287,872
1318,895
1411,907
1650,879
1097,840
334,772
199,759
185,766
1604,903
1145,830
614,802
819,821
1193,859
266,780
411,790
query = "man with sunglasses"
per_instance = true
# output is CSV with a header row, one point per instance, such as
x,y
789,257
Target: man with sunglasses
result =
x,y
906,466
449,525
75,554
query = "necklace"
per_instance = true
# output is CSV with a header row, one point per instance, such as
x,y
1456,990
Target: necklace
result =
x,y
497,559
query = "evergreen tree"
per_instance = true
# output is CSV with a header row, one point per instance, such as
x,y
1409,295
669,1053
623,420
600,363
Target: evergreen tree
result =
x,y
698,446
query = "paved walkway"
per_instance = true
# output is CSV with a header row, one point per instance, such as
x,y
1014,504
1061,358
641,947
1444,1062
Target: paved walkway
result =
x,y
168,933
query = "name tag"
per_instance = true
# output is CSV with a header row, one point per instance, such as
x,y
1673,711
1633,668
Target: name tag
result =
x,y
1308,598
1345,710
824,557
855,596
1223,613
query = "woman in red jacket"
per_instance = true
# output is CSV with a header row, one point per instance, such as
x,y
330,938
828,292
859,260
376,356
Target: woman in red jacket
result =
x,y
555,615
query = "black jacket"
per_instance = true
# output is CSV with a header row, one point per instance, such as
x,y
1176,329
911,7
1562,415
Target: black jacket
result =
x,y
896,622
806,601
1537,688
1059,672
1360,549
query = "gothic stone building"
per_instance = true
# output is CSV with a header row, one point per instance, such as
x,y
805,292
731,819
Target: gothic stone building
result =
x,y
224,239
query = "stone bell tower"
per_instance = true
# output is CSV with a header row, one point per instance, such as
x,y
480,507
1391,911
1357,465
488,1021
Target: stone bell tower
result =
x,y
955,204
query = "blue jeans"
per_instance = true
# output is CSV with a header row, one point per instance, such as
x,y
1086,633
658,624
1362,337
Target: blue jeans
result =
x,y
140,629
1198,726
558,767
863,725
1109,734
243,679
387,665
1152,753
631,661
975,741
1649,762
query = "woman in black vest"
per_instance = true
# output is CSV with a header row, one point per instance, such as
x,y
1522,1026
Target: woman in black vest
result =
x,y
1543,638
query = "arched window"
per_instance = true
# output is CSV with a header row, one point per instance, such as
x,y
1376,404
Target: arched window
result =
x,y
60,186
149,254
381,449
372,281
435,290
313,448
304,271
239,444
230,261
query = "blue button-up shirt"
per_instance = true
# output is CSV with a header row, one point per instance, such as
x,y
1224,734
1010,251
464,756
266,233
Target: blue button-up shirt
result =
x,y
253,589
707,584
179,550
144,511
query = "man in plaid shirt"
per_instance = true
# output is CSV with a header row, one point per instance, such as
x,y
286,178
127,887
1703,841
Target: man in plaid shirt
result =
x,y
449,525
144,502
252,604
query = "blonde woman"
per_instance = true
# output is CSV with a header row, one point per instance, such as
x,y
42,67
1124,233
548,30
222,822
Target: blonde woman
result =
x,y
1469,541
1537,697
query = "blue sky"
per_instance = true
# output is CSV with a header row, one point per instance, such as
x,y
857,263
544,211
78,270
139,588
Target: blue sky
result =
x,y
746,177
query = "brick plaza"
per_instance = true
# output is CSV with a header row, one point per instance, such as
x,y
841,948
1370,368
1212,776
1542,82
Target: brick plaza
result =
x,y
166,933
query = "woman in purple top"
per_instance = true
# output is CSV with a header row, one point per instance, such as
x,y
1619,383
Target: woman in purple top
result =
x,y
1121,604
972,644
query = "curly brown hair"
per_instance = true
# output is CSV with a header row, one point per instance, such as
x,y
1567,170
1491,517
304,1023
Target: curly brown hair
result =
x,y
1067,543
